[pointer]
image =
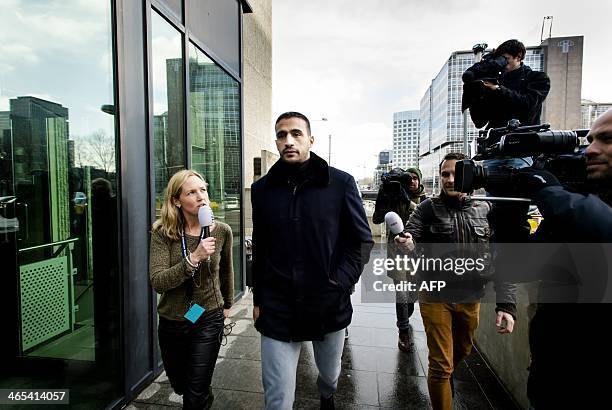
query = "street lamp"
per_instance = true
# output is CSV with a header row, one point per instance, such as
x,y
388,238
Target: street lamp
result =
x,y
329,140
329,151
550,28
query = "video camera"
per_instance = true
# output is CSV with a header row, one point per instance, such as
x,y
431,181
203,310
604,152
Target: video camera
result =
x,y
394,180
559,152
490,68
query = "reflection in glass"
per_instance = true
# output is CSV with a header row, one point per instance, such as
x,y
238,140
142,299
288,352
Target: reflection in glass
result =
x,y
214,127
55,143
168,96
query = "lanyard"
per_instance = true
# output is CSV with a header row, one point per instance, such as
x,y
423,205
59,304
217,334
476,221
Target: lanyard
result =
x,y
183,244
191,284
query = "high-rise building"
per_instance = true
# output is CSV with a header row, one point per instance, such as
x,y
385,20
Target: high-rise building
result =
x,y
6,162
441,120
214,122
385,164
590,111
406,131
385,157
40,157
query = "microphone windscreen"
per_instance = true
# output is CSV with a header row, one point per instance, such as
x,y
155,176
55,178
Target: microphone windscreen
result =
x,y
394,222
205,215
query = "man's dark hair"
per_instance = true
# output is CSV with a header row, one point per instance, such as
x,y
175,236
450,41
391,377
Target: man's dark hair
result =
x,y
293,114
513,47
452,155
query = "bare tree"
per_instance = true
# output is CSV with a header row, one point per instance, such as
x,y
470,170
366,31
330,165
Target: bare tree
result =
x,y
80,153
98,150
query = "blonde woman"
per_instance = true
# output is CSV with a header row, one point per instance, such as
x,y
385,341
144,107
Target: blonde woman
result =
x,y
195,280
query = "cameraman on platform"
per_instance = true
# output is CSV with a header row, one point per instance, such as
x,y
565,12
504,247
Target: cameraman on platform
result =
x,y
401,191
569,353
494,99
518,93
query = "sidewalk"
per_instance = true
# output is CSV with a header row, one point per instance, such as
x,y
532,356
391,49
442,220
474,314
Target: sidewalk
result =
x,y
375,374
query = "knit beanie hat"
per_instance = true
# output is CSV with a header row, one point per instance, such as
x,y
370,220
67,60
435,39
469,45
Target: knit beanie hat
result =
x,y
415,170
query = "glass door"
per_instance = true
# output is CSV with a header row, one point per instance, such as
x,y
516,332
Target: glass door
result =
x,y
58,208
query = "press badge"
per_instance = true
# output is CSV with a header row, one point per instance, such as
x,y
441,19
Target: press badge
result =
x,y
194,313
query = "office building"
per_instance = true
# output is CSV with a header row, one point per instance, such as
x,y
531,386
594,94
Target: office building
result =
x,y
590,110
386,162
406,130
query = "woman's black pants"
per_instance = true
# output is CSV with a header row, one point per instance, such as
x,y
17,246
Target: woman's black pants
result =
x,y
189,352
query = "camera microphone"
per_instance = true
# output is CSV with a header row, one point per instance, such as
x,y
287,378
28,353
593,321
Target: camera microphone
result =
x,y
395,224
206,217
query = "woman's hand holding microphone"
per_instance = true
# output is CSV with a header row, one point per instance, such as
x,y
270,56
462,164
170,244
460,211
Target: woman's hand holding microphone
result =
x,y
205,249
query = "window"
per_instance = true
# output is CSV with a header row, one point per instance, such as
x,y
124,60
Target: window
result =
x,y
214,127
168,106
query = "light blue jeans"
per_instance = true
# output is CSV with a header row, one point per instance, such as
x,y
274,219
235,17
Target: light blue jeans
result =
x,y
279,362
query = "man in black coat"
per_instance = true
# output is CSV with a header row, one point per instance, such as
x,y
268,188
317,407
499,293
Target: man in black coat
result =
x,y
311,240
559,330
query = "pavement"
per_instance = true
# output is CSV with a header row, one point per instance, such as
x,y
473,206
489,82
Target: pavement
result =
x,y
375,373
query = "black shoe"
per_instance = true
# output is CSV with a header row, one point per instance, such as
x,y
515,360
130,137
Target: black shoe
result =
x,y
405,342
327,404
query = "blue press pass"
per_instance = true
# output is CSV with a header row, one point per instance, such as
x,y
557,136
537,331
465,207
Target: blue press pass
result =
x,y
194,313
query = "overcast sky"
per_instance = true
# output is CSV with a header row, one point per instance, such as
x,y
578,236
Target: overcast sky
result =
x,y
357,62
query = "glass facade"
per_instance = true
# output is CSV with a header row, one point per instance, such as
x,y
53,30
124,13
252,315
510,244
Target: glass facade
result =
x,y
214,127
425,123
101,102
168,104
59,201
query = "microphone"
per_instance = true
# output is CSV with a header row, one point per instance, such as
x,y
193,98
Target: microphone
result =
x,y
395,224
206,218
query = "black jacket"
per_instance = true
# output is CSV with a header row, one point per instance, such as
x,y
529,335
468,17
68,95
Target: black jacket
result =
x,y
560,328
520,96
442,219
581,218
310,244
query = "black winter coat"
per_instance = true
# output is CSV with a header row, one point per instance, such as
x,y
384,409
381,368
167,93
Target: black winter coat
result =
x,y
560,328
520,96
310,244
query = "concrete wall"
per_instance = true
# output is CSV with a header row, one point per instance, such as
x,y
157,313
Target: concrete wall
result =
x,y
257,73
508,355
268,159
563,64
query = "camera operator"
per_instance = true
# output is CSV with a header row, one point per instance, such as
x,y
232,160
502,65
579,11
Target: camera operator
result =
x,y
518,93
400,192
559,331
494,99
